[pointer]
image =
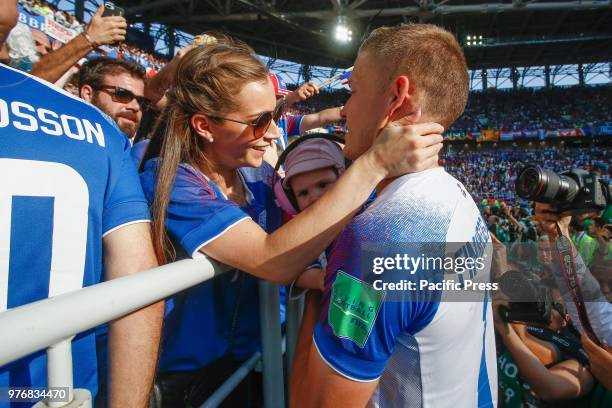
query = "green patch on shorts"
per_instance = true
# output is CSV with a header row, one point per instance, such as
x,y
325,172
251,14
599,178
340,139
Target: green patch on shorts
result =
x,y
353,308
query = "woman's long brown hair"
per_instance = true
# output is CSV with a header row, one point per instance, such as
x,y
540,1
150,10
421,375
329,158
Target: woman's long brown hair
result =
x,y
207,80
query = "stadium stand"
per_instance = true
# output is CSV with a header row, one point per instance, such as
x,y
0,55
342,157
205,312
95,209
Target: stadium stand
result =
x,y
490,173
60,27
513,113
533,109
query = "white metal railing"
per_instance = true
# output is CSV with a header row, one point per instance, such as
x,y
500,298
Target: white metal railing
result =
x,y
38,325
52,323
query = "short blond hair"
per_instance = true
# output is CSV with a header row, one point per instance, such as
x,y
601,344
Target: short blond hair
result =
x,y
433,61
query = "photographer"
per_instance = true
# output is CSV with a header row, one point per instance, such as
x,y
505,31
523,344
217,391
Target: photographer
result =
x,y
558,197
598,309
548,371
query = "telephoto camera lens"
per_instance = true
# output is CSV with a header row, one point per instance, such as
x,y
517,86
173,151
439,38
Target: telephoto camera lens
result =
x,y
545,186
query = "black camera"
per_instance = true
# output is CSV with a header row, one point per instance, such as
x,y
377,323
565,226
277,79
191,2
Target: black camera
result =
x,y
575,191
530,300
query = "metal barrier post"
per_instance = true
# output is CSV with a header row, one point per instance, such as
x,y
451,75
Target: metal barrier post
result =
x,y
232,382
59,369
271,345
295,310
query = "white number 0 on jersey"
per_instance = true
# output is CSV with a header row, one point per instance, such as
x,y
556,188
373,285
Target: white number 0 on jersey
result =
x,y
70,217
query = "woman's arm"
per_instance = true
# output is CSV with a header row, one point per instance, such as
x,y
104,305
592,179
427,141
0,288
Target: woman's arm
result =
x,y
282,255
546,353
600,359
312,278
565,380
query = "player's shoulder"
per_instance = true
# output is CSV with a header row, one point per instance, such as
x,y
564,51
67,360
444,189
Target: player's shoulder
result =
x,y
432,190
52,105
417,207
432,184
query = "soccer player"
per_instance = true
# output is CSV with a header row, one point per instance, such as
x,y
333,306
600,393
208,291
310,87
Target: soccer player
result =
x,y
70,200
405,349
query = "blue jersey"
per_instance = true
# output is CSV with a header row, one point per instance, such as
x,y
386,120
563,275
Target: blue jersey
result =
x,y
67,180
139,150
199,321
288,125
426,351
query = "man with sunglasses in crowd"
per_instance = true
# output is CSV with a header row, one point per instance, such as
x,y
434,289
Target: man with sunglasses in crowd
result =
x,y
117,88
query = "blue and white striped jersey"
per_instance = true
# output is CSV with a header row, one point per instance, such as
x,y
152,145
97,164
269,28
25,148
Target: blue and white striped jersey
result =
x,y
427,348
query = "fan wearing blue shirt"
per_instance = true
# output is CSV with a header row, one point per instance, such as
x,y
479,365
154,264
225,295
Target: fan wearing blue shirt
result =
x,y
211,194
71,201
364,344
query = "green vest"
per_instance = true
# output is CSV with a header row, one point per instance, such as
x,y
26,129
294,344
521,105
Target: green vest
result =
x,y
586,247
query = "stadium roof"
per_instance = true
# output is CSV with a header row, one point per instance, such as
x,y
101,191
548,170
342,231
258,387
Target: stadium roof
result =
x,y
514,33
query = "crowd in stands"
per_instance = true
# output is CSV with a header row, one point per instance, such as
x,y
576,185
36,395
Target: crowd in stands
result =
x,y
137,55
151,62
325,99
42,8
511,110
491,173
522,109
532,109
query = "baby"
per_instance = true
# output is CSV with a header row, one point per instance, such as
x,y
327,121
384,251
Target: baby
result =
x,y
310,170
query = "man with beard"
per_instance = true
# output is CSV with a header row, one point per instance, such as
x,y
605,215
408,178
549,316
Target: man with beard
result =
x,y
117,88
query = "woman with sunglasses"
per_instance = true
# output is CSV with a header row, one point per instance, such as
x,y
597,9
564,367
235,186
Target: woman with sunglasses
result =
x,y
211,195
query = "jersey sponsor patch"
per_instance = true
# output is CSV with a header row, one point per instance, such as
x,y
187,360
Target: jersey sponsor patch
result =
x,y
354,307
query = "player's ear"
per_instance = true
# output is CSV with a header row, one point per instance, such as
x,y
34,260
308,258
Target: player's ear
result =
x,y
86,93
403,103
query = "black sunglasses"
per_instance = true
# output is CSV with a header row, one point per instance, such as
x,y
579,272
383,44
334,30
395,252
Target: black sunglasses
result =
x,y
261,124
122,95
